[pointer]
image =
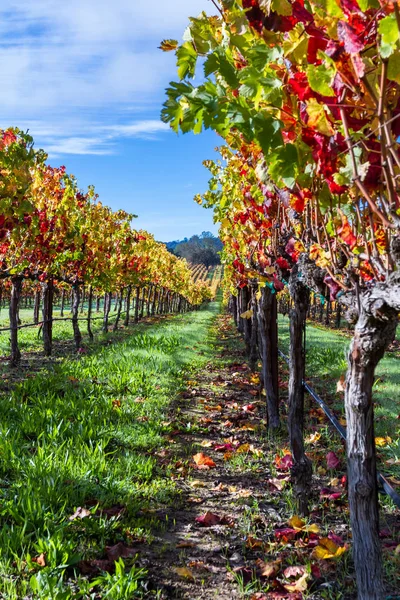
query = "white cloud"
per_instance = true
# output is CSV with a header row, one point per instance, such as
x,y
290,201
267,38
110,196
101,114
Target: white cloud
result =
x,y
65,66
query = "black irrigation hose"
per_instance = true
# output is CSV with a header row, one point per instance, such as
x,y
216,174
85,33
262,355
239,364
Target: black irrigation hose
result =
x,y
385,488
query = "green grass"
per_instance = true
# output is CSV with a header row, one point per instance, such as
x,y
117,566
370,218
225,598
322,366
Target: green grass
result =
x,y
326,362
82,433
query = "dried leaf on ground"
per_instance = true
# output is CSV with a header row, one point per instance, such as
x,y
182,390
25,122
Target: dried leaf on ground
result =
x,y
327,549
184,572
202,460
80,513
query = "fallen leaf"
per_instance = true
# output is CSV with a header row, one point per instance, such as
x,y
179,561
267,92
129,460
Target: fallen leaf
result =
x,y
294,571
268,569
186,545
300,585
202,460
206,444
300,525
332,460
328,549
196,483
208,519
341,384
383,441
244,448
278,484
120,551
40,560
80,513
312,439
284,463
184,572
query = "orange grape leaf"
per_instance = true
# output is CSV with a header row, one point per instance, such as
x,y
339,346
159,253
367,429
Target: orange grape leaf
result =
x,y
203,460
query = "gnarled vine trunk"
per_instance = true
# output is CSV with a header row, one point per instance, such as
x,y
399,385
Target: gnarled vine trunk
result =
x,y
107,308
36,307
118,316
16,288
137,304
75,315
62,303
89,314
268,344
47,312
128,305
302,470
374,331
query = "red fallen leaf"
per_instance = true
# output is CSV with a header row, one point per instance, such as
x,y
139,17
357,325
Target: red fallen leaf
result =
x,y
330,494
93,567
286,533
209,519
249,407
224,447
316,571
120,550
284,463
332,460
247,574
202,460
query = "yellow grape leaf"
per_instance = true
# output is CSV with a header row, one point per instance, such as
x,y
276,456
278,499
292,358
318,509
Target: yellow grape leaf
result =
x,y
313,438
247,314
184,572
383,441
301,525
243,448
328,549
318,118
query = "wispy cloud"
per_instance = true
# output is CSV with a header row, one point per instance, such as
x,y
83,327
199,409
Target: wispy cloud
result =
x,y
65,67
97,139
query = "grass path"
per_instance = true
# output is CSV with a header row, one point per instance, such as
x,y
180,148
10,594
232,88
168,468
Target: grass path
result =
x,y
78,439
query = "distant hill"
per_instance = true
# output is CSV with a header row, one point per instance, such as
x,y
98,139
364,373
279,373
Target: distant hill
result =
x,y
199,249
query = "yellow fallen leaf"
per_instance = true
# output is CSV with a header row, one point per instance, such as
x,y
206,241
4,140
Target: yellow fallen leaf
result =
x,y
243,448
184,572
313,438
328,549
383,441
301,525
247,314
255,379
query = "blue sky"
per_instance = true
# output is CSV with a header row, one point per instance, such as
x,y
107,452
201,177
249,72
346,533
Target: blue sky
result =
x,y
87,79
